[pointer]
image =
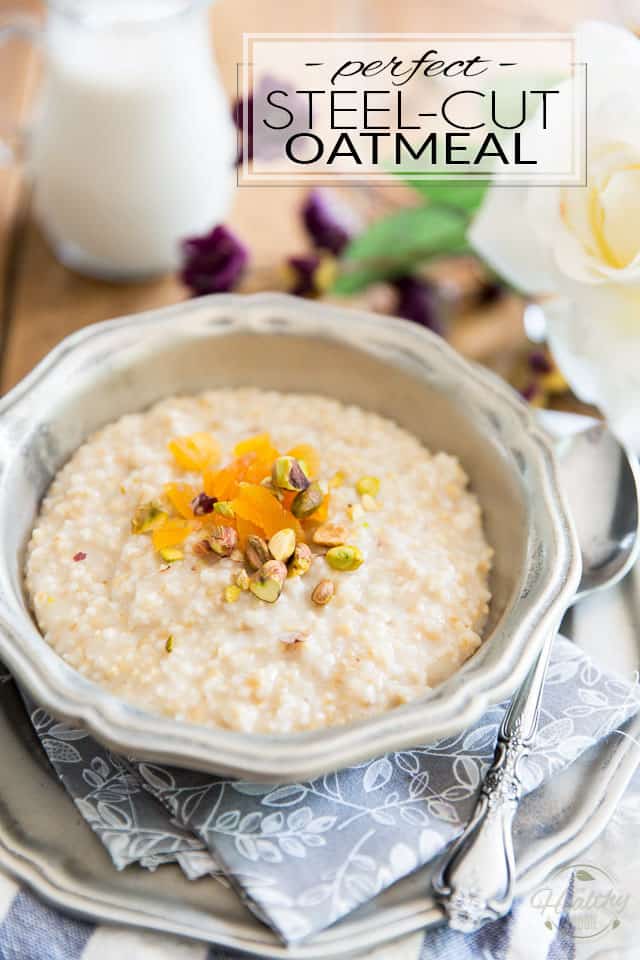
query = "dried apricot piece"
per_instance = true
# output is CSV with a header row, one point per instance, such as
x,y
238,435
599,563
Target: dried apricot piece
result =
x,y
259,469
197,451
180,496
223,484
261,445
245,530
257,504
171,534
309,457
217,483
214,519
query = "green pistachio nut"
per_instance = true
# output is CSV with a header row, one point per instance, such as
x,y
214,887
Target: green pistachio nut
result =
x,y
267,582
223,540
344,558
287,474
282,544
224,508
148,517
307,501
256,552
300,561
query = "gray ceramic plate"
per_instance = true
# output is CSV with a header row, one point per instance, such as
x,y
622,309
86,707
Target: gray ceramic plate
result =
x,y
391,366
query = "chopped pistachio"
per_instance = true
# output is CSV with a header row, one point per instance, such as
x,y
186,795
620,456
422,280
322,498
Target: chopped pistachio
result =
x,y
257,551
282,544
171,554
307,501
237,555
338,479
223,540
232,593
267,582
148,516
242,580
202,549
287,474
224,508
344,558
330,535
300,561
369,503
323,592
169,644
370,485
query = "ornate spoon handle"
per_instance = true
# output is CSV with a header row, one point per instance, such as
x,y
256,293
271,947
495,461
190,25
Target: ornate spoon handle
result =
x,y
475,881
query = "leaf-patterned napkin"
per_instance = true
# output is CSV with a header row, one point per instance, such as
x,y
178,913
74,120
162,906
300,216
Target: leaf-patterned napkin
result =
x,y
303,855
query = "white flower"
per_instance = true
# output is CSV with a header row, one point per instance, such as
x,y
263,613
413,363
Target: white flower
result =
x,y
582,244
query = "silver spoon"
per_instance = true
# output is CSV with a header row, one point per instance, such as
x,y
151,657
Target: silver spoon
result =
x,y
475,880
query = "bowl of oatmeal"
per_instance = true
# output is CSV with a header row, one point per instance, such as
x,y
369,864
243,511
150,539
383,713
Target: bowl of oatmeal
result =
x,y
267,538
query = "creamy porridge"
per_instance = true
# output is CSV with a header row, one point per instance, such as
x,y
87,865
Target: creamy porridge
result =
x,y
161,565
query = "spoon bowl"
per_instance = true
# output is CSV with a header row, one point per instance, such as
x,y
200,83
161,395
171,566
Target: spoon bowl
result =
x,y
602,483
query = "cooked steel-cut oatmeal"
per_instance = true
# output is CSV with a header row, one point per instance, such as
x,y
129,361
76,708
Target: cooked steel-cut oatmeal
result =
x,y
161,564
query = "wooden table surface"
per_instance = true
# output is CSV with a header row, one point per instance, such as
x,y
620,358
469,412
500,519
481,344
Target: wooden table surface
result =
x,y
41,301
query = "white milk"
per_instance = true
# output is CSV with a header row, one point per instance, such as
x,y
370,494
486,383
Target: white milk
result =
x,y
132,145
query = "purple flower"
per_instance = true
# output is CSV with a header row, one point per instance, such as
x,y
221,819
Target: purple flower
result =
x,y
326,222
418,301
301,274
310,275
540,362
214,262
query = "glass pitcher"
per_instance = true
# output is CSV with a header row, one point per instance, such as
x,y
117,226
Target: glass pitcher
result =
x,y
131,146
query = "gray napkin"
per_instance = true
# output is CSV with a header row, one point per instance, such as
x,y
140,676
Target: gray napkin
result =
x,y
303,855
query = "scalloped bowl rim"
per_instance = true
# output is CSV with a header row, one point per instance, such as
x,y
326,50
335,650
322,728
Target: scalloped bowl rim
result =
x,y
290,757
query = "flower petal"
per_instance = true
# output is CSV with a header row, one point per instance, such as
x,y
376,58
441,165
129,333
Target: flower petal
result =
x,y
595,338
329,223
500,234
214,262
600,42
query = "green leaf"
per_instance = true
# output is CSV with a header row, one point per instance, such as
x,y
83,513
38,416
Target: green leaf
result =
x,y
584,875
417,231
616,923
359,278
396,244
466,197
548,924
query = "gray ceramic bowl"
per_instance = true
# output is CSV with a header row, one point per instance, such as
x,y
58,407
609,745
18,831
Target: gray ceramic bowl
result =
x,y
389,366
